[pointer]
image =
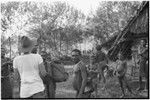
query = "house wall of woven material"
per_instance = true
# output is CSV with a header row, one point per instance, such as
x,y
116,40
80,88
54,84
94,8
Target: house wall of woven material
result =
x,y
140,25
136,29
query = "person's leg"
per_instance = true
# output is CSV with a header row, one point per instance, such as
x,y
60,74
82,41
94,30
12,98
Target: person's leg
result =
x,y
103,78
54,93
77,92
121,85
96,91
127,85
146,85
47,91
52,88
140,83
140,76
99,77
146,76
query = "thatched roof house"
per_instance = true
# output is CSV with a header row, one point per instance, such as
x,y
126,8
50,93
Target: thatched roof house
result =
x,y
109,42
137,28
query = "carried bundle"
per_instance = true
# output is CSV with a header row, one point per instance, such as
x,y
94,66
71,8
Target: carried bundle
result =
x,y
59,73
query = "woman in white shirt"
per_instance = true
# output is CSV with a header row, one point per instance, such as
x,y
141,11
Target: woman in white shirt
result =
x,y
30,68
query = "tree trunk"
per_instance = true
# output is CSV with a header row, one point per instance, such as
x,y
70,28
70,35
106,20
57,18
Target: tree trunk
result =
x,y
39,44
60,43
19,45
10,46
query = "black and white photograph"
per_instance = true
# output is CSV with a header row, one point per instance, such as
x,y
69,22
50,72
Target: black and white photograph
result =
x,y
74,49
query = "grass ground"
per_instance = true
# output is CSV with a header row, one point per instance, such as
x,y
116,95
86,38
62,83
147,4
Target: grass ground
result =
x,y
65,90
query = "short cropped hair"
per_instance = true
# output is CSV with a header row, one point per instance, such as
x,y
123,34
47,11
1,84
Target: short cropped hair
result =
x,y
34,50
77,50
44,52
25,42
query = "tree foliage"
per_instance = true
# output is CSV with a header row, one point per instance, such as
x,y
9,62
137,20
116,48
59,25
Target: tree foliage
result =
x,y
111,18
58,27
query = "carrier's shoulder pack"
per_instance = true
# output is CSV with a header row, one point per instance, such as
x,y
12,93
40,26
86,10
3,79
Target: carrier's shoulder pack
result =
x,y
59,73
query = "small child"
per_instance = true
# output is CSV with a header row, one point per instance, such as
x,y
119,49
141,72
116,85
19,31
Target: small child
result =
x,y
120,71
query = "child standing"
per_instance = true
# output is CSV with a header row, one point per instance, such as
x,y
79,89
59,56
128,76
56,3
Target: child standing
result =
x,y
120,71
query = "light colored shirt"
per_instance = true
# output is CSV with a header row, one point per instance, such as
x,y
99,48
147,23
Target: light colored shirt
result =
x,y
27,66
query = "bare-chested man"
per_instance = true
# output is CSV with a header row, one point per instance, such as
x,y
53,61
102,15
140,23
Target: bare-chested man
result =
x,y
80,74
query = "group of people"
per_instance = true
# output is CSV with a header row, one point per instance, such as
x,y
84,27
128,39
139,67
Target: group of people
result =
x,y
37,82
84,78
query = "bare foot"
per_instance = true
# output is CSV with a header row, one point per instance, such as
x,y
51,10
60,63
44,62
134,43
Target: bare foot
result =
x,y
145,90
103,88
122,96
92,96
139,89
133,93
